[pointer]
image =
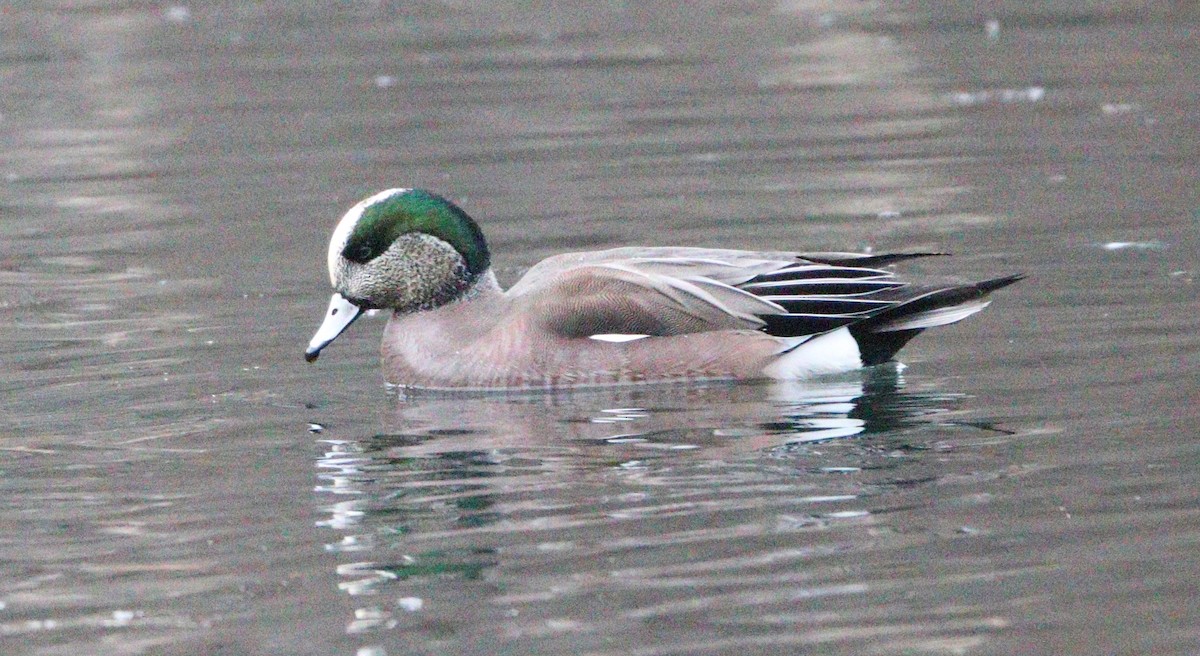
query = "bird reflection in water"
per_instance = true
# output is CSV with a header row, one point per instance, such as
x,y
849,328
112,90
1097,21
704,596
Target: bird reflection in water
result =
x,y
438,494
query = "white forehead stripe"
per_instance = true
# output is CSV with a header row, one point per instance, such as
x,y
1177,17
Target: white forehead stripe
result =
x,y
341,234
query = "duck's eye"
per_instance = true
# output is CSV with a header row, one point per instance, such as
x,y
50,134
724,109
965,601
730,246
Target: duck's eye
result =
x,y
361,253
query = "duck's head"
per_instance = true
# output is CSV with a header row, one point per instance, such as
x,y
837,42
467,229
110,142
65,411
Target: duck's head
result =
x,y
401,249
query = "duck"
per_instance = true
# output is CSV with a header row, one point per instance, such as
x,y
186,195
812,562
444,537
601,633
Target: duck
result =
x,y
630,315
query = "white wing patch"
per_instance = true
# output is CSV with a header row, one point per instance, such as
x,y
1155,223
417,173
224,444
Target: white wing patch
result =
x,y
616,338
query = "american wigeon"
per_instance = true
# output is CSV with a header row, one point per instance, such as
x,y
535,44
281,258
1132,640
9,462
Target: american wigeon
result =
x,y
626,315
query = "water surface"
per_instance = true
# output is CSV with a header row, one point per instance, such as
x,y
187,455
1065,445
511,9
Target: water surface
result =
x,y
176,480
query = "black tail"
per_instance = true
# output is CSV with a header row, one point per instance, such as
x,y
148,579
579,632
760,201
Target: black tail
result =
x,y
882,335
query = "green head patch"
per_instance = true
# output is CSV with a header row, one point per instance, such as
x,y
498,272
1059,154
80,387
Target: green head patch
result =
x,y
416,211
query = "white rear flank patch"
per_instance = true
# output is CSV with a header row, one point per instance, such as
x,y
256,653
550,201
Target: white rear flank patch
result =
x,y
936,317
830,353
345,226
616,338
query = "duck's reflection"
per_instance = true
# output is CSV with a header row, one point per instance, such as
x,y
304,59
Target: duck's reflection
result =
x,y
432,496
730,417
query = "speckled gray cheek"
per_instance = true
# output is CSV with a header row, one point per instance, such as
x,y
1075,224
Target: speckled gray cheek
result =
x,y
417,272
343,273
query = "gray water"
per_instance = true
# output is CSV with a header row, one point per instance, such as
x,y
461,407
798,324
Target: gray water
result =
x,y
176,480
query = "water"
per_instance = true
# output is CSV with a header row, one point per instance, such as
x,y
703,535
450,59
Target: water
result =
x,y
176,480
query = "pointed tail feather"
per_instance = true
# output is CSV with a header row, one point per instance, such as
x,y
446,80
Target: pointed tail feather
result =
x,y
989,286
882,335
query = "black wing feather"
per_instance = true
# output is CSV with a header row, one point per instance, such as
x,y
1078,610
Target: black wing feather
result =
x,y
827,291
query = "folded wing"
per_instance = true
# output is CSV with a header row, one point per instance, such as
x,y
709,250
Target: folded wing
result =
x,y
660,292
